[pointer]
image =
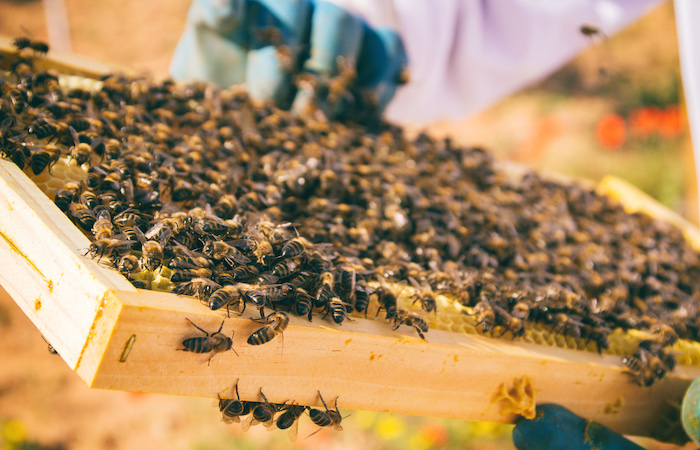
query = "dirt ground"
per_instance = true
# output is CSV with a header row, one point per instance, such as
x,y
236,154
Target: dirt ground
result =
x,y
43,401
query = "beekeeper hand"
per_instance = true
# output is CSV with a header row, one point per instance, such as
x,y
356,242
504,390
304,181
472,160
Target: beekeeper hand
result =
x,y
555,427
268,44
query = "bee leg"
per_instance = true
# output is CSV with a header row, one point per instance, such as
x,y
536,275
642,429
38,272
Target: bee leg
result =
x,y
222,326
420,333
207,334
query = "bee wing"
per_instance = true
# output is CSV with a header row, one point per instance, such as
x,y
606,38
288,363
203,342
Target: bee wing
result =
x,y
415,283
240,259
269,278
5,124
229,420
242,243
74,133
140,235
293,431
248,422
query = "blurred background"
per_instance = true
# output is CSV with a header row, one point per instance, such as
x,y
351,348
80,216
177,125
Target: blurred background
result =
x,y
616,109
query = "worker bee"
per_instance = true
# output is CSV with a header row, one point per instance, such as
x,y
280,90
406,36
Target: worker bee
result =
x,y
411,319
485,316
425,295
263,413
214,343
644,367
42,128
567,324
21,42
46,157
338,310
222,251
232,410
325,290
190,273
387,301
288,267
226,295
244,273
152,251
128,264
294,247
276,324
289,419
201,288
325,418
108,247
39,47
361,298
82,215
102,228
304,303
66,195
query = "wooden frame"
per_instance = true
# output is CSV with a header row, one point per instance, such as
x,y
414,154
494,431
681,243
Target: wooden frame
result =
x,y
91,315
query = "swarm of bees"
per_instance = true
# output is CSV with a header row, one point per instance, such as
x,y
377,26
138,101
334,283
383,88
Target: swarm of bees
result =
x,y
293,214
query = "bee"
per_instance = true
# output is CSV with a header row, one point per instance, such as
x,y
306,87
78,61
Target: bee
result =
x,y
387,301
590,30
66,195
39,47
102,228
567,325
338,310
214,343
485,316
361,298
318,263
424,295
187,274
411,319
276,324
201,288
224,296
42,128
82,215
225,207
18,99
293,248
325,290
644,367
509,322
244,273
325,418
232,410
288,267
152,251
303,305
112,149
222,251
128,264
46,157
108,247
263,413
289,419
21,42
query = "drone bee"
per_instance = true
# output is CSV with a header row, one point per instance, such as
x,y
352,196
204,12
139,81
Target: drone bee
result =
x,y
276,324
214,343
411,319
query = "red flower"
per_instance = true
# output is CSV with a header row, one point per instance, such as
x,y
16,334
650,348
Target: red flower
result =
x,y
610,132
645,121
670,126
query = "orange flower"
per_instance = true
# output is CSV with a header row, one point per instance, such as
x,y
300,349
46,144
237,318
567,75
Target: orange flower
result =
x,y
645,121
670,122
610,132
435,433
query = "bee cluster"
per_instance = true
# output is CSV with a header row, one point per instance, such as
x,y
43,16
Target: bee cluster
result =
x,y
285,416
236,202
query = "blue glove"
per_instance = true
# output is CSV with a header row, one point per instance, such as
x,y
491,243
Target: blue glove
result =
x,y
555,427
267,43
690,411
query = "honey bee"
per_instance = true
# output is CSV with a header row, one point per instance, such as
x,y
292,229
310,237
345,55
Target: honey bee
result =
x,y
361,298
245,273
289,419
201,288
128,264
387,301
80,152
566,324
304,303
152,251
232,410
411,319
644,367
46,157
24,42
82,215
102,228
288,267
42,128
21,42
187,274
222,251
485,316
338,310
66,195
276,324
326,418
294,247
214,343
263,413
108,247
424,295
325,290
224,296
